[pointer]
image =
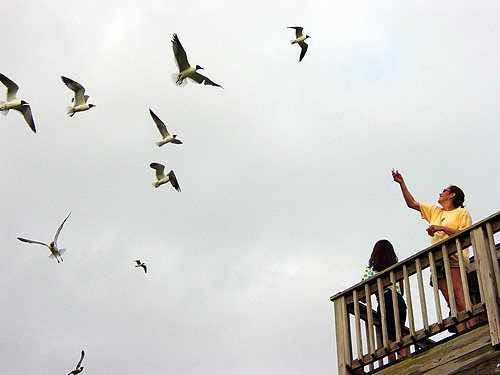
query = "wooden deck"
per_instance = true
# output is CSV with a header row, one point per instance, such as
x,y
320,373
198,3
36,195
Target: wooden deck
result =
x,y
361,335
468,353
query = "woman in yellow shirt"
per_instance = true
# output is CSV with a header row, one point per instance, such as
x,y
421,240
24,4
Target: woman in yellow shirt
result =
x,y
444,221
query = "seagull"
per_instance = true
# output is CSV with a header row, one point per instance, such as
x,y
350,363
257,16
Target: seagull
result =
x,y
141,264
162,179
186,70
80,100
78,368
167,137
14,103
56,252
299,38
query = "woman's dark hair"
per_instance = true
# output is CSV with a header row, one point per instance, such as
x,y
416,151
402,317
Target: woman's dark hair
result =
x,y
383,256
459,198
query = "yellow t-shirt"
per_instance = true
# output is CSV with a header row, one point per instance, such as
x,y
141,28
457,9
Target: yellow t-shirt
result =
x,y
459,218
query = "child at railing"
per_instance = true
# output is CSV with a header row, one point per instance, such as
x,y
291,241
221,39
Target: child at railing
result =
x,y
382,257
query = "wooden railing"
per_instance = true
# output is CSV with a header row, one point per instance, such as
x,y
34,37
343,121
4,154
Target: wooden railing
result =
x,y
425,316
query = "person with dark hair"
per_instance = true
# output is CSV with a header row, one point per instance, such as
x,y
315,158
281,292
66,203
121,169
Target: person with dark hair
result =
x,y
444,221
382,257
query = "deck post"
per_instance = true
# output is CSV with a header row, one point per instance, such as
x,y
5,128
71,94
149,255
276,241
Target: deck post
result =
x,y
487,280
343,336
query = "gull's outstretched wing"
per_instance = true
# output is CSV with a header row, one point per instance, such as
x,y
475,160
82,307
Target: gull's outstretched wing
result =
x,y
173,180
179,54
31,241
11,87
79,90
59,230
159,124
160,170
197,77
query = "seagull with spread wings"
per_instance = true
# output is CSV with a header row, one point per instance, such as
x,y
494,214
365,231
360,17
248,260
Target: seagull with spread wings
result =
x,y
186,70
79,367
300,39
141,264
162,179
167,137
55,251
80,99
13,103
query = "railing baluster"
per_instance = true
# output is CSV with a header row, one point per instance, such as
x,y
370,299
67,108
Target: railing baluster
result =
x,y
493,254
449,283
357,323
421,292
409,305
395,306
463,275
369,328
369,311
344,349
382,317
435,288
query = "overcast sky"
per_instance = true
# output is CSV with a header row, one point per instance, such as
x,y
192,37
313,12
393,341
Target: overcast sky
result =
x,y
285,173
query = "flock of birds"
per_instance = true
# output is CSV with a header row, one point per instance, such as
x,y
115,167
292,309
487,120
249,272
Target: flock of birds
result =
x,y
80,104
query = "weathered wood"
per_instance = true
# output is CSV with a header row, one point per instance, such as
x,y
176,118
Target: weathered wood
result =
x,y
482,253
395,308
449,284
493,255
383,317
423,304
460,353
344,356
357,323
463,276
371,339
409,303
435,288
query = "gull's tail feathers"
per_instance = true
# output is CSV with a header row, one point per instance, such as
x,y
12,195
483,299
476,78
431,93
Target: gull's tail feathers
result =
x,y
70,111
177,81
293,41
160,143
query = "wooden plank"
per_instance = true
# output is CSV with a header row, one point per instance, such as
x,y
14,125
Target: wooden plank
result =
x,y
463,276
493,255
435,289
482,253
448,357
383,317
357,324
409,303
344,356
421,292
371,339
449,283
395,308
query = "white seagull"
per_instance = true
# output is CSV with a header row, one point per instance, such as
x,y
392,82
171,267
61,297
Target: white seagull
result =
x,y
80,100
14,103
141,264
55,251
167,137
79,367
300,39
186,70
162,179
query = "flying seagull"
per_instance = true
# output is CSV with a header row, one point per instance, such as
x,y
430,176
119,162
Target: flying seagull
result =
x,y
186,70
299,38
141,264
80,100
162,179
14,103
78,368
55,251
167,137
